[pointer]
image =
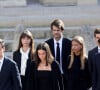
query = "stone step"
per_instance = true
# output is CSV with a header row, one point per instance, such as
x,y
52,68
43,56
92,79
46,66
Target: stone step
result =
x,y
45,20
39,10
7,3
41,34
44,32
39,16
38,32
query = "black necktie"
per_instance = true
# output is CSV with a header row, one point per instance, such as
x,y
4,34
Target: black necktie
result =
x,y
58,53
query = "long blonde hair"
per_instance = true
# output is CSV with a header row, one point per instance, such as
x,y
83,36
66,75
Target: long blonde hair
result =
x,y
83,56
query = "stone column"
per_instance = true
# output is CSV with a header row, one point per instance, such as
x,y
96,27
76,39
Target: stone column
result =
x,y
87,2
7,3
58,2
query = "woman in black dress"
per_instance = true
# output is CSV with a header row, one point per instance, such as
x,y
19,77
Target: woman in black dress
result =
x,y
77,73
23,55
44,72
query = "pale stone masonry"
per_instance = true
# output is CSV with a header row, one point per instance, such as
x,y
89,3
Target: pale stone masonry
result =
x,y
87,2
59,2
7,3
11,36
81,17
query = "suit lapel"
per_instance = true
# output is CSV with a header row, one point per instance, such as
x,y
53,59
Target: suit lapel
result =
x,y
52,47
97,55
19,60
63,48
3,66
96,51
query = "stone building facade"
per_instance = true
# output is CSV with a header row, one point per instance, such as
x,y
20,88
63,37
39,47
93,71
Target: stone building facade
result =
x,y
81,17
48,2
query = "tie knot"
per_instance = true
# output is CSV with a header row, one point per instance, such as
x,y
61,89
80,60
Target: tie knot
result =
x,y
57,43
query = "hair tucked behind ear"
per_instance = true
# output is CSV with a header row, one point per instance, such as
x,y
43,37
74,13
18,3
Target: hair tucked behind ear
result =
x,y
80,40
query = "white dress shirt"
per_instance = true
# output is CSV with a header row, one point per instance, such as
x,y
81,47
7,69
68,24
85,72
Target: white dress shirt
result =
x,y
24,58
1,62
60,45
98,49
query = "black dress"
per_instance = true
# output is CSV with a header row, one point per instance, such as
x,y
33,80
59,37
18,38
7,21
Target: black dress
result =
x,y
44,80
78,79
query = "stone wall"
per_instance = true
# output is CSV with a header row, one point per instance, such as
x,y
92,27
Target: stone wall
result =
x,y
11,36
87,2
58,2
69,2
7,3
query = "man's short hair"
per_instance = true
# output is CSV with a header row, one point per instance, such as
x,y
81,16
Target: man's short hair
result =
x,y
58,23
96,31
2,42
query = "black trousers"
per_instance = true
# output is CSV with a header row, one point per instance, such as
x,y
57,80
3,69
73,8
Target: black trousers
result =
x,y
23,81
64,81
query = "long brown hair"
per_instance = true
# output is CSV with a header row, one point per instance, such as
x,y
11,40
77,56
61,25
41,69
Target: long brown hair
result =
x,y
45,47
83,56
28,34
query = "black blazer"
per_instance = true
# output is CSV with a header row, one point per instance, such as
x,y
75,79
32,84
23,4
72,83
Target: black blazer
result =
x,y
17,59
9,76
66,49
94,67
78,79
56,77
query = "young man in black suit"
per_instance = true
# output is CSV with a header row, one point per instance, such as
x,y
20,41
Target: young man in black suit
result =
x,y
60,46
9,74
94,62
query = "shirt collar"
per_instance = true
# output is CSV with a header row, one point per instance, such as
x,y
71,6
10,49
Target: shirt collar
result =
x,y
59,41
21,50
2,59
99,47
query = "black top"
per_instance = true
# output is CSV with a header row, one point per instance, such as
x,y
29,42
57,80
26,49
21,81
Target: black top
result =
x,y
78,79
53,78
17,58
44,80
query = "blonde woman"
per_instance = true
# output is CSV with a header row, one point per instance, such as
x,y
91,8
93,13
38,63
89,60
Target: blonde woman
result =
x,y
77,72
44,72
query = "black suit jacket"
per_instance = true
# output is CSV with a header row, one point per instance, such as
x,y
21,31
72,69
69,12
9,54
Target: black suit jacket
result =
x,y
9,76
17,59
56,77
66,49
94,67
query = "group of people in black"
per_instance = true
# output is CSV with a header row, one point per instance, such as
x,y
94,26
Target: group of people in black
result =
x,y
56,64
